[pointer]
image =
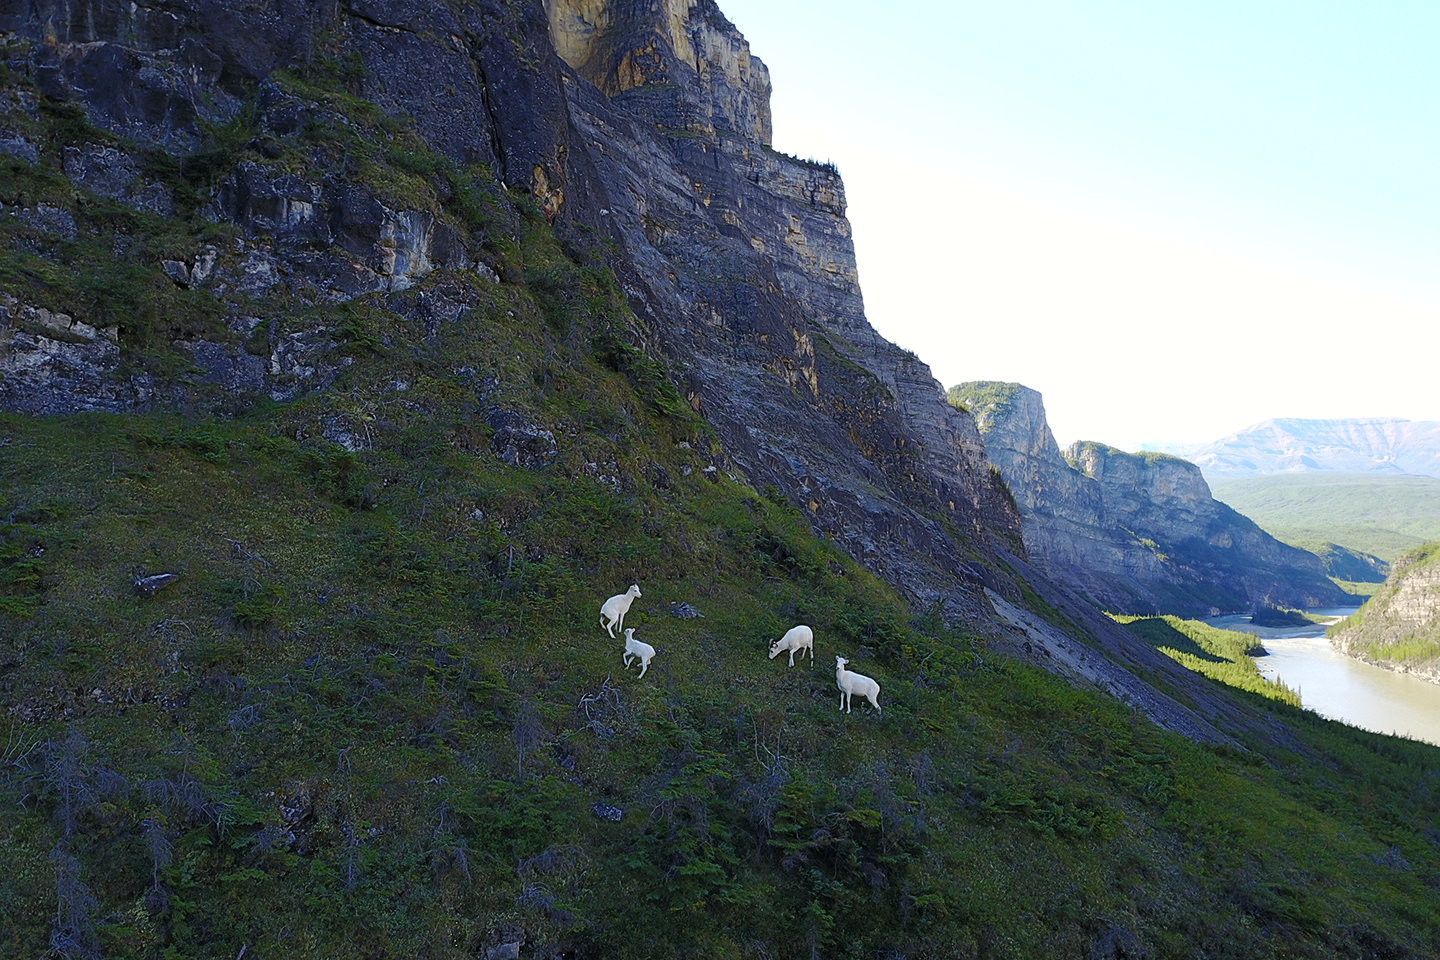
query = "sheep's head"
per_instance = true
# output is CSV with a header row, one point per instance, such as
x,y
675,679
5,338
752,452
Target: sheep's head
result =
x,y
774,648
629,633
634,589
840,663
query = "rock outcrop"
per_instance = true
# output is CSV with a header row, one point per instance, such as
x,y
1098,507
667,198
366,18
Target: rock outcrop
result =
x,y
642,132
1399,627
1135,532
679,63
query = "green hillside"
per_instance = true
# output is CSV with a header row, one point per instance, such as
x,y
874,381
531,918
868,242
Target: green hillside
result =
x,y
374,714
379,689
1345,564
362,696
1380,515
1223,655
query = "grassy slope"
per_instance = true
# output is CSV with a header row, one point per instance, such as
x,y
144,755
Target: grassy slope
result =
x,y
1357,588
1222,655
1380,515
373,715
378,712
1346,564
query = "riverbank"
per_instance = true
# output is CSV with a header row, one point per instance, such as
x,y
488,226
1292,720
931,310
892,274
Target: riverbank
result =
x,y
1240,623
1340,687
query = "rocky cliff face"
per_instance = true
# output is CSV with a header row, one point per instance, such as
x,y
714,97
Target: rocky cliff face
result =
x,y
641,131
1136,532
679,63
1399,627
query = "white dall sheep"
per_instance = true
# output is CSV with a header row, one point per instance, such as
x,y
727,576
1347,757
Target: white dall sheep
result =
x,y
641,651
616,607
799,638
849,683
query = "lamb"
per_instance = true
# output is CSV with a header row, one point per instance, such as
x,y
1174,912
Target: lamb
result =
x,y
800,638
616,607
849,683
641,651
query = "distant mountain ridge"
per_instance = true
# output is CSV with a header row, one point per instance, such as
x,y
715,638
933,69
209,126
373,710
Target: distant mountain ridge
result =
x,y
1293,445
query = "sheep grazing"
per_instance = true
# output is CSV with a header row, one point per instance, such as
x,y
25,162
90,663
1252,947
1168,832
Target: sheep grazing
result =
x,y
643,652
616,607
849,683
800,638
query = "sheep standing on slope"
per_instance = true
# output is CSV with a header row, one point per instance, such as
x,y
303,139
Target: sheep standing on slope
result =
x,y
616,607
855,683
800,638
640,650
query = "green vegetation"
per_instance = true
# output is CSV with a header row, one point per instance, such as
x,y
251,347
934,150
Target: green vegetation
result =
x,y
1281,617
1386,630
1356,589
1080,450
401,713
1222,655
979,396
1379,515
825,166
375,714
1343,563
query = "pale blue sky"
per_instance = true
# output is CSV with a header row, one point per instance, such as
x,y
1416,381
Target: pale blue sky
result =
x,y
1225,200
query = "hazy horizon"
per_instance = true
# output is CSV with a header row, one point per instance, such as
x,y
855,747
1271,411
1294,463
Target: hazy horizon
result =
x,y
1171,221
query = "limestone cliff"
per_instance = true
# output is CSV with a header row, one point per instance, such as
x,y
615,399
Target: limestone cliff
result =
x,y
1136,532
641,130
679,63
1399,627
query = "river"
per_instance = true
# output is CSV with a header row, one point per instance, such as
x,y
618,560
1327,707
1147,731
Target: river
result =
x,y
1340,687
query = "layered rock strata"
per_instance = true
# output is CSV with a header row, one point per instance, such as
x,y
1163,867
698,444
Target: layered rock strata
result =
x,y
1135,532
1399,627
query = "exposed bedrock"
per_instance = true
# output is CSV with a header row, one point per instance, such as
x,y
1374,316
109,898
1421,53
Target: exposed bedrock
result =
x,y
1399,627
1135,532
